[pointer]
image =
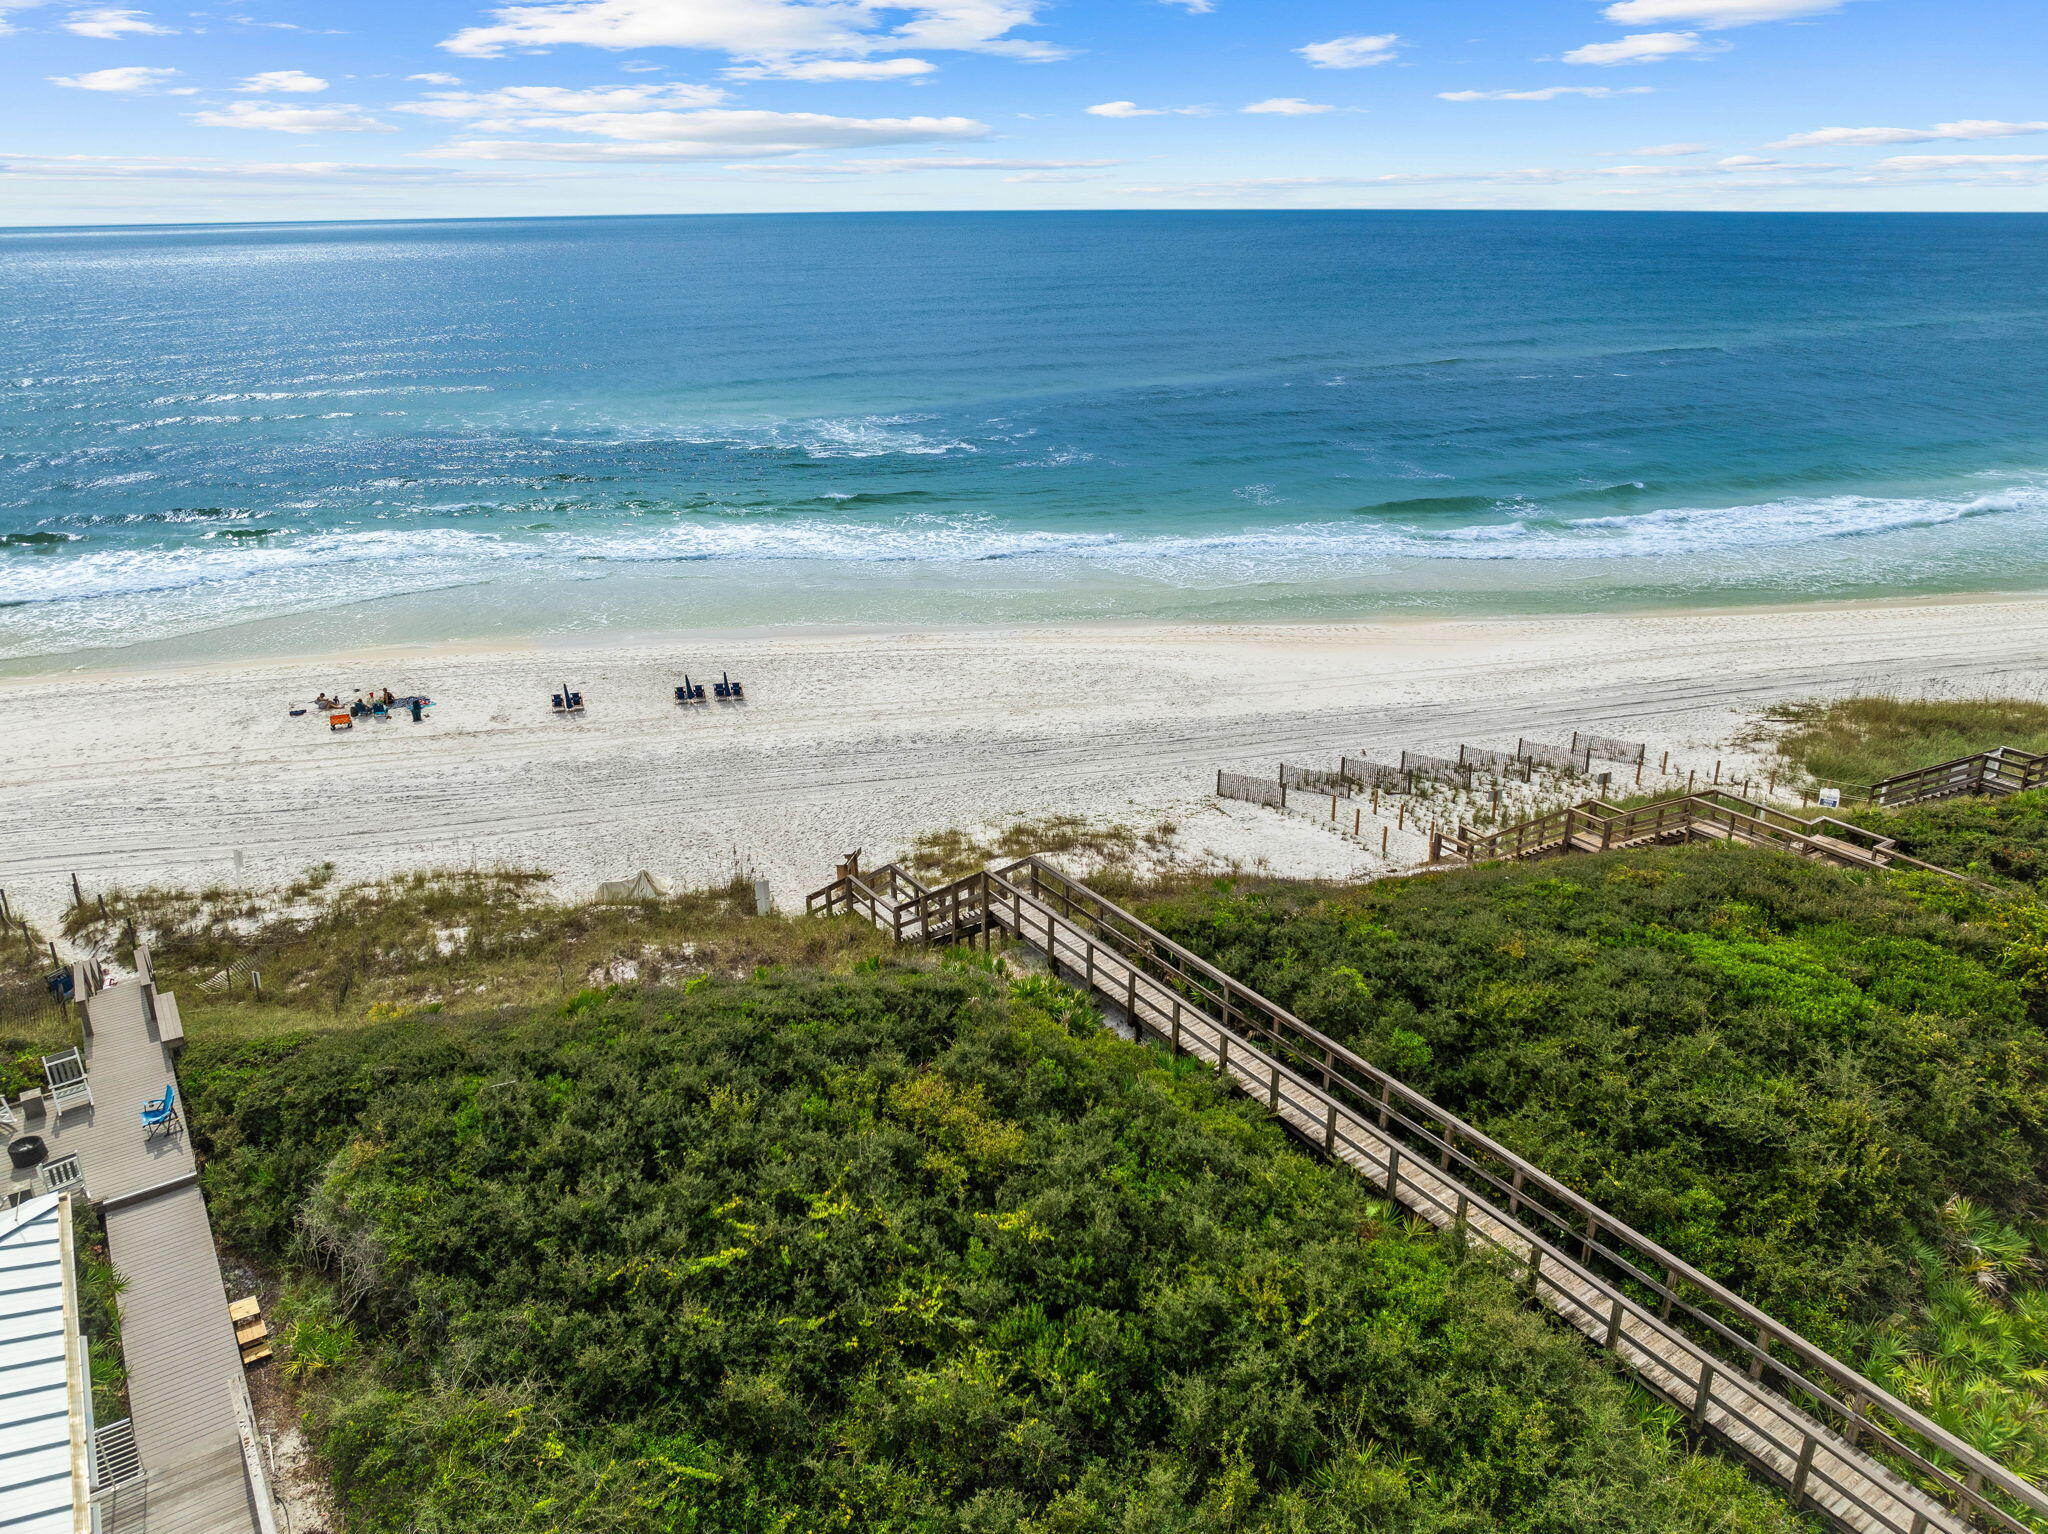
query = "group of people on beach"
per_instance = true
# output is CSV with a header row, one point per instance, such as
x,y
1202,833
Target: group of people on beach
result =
x,y
372,703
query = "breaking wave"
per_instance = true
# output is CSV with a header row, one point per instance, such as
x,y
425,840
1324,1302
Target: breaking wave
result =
x,y
82,569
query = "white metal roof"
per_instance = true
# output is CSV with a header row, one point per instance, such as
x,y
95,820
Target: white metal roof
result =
x,y
43,1400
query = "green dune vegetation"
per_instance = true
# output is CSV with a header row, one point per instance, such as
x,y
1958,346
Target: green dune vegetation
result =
x,y
1828,1089
905,1248
1853,742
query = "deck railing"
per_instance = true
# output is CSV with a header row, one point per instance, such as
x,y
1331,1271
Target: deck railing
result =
x,y
2006,770
1597,827
1802,1418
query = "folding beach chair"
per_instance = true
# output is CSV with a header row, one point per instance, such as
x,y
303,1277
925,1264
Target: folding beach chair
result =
x,y
160,1114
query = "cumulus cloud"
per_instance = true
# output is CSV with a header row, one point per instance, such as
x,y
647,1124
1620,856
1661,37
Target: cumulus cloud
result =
x,y
1356,52
290,82
657,137
1286,106
124,81
283,117
1917,162
759,29
911,164
459,106
1642,48
434,77
159,168
1967,129
110,23
1132,109
833,69
1715,14
1547,93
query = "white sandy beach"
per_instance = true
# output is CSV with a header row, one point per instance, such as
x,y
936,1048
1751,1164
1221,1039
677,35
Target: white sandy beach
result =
x,y
198,774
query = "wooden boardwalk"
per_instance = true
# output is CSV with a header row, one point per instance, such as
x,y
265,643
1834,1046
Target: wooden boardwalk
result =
x,y
188,1400
1655,1319
1594,826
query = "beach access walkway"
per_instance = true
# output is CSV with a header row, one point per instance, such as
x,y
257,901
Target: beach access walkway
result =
x,y
200,1467
1839,1445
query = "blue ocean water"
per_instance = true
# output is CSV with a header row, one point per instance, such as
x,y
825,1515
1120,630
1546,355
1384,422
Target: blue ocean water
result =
x,y
263,437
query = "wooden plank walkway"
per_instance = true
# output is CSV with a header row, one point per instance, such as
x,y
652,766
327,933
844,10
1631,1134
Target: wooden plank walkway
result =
x,y
1739,1392
186,1393
1834,1477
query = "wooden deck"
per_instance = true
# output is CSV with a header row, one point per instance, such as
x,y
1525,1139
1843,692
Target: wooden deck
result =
x,y
187,1397
1731,1370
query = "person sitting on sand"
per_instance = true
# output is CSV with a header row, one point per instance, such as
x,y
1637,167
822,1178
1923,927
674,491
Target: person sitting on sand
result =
x,y
389,698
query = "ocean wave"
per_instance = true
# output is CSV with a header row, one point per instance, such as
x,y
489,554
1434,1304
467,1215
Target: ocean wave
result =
x,y
55,574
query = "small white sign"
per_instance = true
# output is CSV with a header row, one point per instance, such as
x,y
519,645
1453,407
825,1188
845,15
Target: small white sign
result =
x,y
1831,798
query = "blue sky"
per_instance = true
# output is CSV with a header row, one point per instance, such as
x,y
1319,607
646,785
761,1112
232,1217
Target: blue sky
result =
x,y
308,109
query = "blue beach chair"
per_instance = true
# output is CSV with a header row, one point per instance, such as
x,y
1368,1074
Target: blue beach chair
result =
x,y
160,1114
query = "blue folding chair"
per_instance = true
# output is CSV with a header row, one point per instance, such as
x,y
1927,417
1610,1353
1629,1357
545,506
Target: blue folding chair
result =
x,y
160,1114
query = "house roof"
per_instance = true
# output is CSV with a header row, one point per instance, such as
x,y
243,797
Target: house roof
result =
x,y
43,1394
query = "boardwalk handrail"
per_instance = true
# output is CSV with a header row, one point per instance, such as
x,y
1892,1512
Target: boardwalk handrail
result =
x,y
1609,826
1643,1287
2002,770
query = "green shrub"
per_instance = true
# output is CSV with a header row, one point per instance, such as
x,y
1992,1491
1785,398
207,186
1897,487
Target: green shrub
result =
x,y
895,1251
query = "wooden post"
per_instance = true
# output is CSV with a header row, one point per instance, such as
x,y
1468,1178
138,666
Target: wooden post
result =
x,y
1401,816
1383,841
1333,809
77,893
1664,766
1375,799
1717,771
1639,774
1688,780
1357,821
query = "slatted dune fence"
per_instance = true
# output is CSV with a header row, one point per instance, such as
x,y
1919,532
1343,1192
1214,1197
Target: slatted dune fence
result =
x,y
1251,790
1315,780
1437,769
1563,758
1630,753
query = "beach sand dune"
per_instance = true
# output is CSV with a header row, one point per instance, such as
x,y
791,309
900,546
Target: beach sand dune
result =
x,y
196,775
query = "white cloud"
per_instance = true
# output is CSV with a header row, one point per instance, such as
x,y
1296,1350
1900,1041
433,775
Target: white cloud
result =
x,y
1966,129
1287,106
1642,48
1192,7
1132,109
436,78
1547,93
656,137
460,105
110,23
290,82
1744,162
1354,52
127,80
910,164
833,69
1916,162
154,168
759,29
283,117
1715,14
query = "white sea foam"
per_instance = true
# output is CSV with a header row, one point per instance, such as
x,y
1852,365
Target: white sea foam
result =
x,y
1319,547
